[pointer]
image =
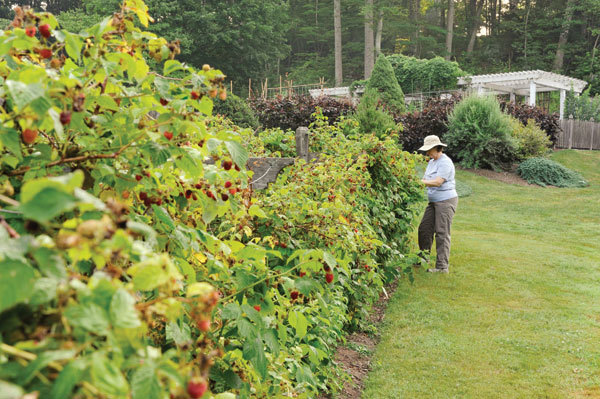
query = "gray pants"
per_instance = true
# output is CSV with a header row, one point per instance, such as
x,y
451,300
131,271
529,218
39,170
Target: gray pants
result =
x,y
438,220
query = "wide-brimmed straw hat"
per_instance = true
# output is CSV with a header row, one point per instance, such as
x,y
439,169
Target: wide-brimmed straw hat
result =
x,y
430,142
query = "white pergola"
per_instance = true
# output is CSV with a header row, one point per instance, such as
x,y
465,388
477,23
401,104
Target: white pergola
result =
x,y
525,83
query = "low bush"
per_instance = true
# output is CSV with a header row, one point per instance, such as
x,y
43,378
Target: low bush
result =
x,y
479,134
372,117
530,139
290,113
545,172
433,119
237,110
549,123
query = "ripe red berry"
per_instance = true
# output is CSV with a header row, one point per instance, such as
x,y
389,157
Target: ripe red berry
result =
x,y
329,278
45,31
147,173
188,194
143,196
65,117
226,165
232,191
302,274
224,197
45,53
257,308
163,102
195,95
198,186
294,294
29,136
196,388
138,177
168,135
327,268
30,31
204,325
227,184
237,168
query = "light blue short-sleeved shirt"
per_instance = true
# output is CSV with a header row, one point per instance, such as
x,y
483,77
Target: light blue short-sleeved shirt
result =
x,y
444,168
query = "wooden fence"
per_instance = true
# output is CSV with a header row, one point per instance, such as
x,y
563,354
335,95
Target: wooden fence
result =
x,y
583,135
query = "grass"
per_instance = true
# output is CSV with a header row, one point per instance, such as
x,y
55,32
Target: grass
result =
x,y
519,314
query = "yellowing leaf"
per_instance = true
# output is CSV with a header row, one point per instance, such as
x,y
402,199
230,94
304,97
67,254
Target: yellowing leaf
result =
x,y
200,257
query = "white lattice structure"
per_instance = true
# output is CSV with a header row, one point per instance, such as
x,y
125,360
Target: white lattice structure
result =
x,y
525,83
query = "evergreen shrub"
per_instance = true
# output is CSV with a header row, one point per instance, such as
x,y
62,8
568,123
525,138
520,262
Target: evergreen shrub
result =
x,y
237,110
383,82
531,140
371,116
479,134
545,172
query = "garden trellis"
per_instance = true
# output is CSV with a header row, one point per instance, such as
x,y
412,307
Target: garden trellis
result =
x,y
524,83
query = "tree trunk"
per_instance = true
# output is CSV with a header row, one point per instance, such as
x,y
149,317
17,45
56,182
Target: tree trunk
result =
x,y
379,33
475,27
449,29
563,38
369,39
337,26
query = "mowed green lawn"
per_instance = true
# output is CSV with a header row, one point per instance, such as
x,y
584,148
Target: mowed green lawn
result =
x,y
519,314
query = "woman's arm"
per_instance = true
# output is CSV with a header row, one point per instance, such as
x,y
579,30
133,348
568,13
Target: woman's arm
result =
x,y
436,182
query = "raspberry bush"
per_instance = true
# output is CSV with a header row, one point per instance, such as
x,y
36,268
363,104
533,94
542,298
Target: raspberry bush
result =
x,y
135,260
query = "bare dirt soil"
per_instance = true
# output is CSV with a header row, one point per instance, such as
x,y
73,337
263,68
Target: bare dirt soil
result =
x,y
357,362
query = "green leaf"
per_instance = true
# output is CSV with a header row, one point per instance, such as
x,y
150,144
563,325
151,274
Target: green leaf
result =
x,y
16,280
255,353
238,153
66,183
299,322
256,211
246,329
44,290
10,391
47,204
231,311
149,278
329,259
73,45
306,285
270,337
71,375
225,395
107,377
11,140
90,317
42,361
162,215
171,66
107,102
145,384
181,335
122,310
58,127
23,94
41,105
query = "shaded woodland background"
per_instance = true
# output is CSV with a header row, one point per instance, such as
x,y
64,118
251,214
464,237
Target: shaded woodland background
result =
x,y
260,39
